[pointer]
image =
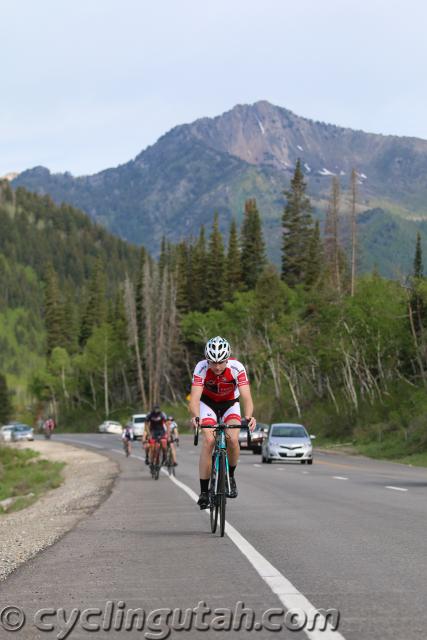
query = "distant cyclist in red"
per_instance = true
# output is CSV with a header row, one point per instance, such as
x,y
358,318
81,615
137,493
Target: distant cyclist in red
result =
x,y
218,382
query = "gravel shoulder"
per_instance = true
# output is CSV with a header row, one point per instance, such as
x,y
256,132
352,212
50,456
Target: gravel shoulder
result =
x,y
88,479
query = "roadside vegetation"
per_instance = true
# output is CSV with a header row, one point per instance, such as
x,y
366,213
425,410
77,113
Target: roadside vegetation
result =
x,y
24,477
342,352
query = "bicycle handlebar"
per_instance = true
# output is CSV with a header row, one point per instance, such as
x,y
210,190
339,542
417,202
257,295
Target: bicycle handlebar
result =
x,y
243,425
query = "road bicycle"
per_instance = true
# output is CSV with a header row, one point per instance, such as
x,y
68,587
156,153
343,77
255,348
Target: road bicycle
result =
x,y
127,447
169,463
155,466
219,484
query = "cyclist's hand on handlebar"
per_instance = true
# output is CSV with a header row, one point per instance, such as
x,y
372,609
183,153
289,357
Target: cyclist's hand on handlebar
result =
x,y
251,422
195,422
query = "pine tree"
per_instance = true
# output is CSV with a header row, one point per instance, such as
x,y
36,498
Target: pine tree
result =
x,y
53,312
96,308
252,243
297,230
5,402
163,258
418,258
70,326
233,268
215,268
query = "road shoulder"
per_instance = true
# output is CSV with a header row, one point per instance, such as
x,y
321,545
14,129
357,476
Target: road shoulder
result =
x,y
88,479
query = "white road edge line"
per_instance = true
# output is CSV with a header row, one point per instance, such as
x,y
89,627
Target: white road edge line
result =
x,y
287,593
339,478
257,465
397,488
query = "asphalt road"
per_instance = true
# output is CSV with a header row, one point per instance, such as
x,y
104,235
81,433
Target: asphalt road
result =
x,y
345,534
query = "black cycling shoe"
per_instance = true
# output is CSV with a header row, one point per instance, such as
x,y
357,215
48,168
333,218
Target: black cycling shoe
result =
x,y
147,461
233,493
203,500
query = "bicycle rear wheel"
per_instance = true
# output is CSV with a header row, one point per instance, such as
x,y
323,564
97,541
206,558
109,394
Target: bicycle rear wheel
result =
x,y
169,461
213,498
221,494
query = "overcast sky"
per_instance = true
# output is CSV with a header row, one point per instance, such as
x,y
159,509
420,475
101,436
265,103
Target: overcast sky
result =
x,y
88,84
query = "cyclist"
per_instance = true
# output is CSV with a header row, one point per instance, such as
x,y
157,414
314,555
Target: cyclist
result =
x,y
218,381
155,423
173,436
49,427
127,437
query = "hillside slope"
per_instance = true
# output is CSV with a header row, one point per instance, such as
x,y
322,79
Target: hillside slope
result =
x,y
214,164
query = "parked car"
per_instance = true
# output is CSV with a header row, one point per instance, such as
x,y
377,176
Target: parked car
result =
x,y
110,426
257,437
22,432
288,441
6,432
138,424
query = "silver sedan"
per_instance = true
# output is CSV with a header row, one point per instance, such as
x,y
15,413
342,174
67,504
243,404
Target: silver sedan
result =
x,y
287,441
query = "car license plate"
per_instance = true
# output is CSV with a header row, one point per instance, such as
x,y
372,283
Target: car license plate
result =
x,y
291,454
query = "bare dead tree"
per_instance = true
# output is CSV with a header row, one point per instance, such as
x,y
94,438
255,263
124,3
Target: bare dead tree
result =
x,y
332,245
133,335
160,350
148,329
353,230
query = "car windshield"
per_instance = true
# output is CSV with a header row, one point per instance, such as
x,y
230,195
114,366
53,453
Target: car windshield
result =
x,y
21,427
137,420
288,432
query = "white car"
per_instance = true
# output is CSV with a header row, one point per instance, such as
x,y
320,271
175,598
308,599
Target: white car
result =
x,y
6,433
21,432
287,441
111,426
138,424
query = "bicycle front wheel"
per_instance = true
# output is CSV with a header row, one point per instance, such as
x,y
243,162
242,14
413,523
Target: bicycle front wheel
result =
x,y
213,497
221,494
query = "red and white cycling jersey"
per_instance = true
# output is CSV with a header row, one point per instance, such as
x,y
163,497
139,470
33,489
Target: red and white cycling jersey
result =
x,y
222,387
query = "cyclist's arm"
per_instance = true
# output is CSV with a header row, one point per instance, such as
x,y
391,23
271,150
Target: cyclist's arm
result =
x,y
195,395
248,405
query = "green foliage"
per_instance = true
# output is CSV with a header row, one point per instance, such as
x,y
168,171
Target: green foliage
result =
x,y
418,258
5,401
22,473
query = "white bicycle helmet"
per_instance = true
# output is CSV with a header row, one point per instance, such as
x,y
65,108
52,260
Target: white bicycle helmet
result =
x,y
217,349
